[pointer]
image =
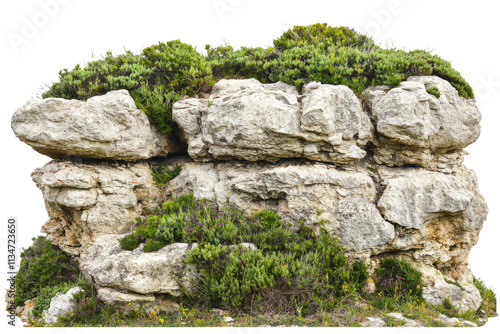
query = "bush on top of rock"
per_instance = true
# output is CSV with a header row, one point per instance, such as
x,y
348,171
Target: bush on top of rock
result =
x,y
161,74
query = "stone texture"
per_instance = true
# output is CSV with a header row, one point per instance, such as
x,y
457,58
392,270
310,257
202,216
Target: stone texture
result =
x,y
61,305
247,120
126,301
418,128
464,300
373,322
85,200
344,200
108,265
106,127
437,216
407,322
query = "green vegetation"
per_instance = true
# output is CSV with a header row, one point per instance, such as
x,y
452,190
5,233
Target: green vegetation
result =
x,y
156,78
454,283
163,175
161,74
290,270
43,265
295,277
489,304
434,91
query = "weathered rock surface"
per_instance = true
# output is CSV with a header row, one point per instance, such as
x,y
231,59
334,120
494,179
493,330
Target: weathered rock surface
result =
x,y
438,216
463,299
407,322
247,120
344,200
417,128
85,200
105,127
108,265
61,305
373,322
126,302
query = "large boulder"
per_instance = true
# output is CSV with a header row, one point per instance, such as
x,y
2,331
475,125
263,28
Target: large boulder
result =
x,y
105,127
437,216
61,305
247,120
106,264
85,200
416,127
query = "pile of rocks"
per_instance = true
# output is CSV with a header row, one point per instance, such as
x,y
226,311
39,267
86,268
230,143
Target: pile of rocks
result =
x,y
383,171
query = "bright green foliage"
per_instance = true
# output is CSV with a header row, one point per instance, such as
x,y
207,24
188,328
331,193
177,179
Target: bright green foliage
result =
x,y
163,73
321,34
489,304
163,175
434,91
398,279
297,260
330,55
156,79
42,265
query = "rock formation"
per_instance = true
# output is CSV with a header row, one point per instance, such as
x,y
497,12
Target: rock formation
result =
x,y
382,172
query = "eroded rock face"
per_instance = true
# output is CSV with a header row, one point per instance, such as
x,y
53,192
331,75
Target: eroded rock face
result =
x,y
85,200
105,127
438,216
126,302
247,120
108,265
61,305
308,192
415,127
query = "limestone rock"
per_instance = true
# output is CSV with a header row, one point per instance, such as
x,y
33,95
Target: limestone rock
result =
x,y
61,305
437,216
464,300
373,322
126,301
247,120
407,322
343,200
105,127
108,265
85,200
418,128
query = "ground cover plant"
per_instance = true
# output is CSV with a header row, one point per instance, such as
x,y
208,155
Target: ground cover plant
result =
x,y
294,277
161,74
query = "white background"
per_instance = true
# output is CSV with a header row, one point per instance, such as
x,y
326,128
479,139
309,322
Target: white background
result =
x,y
38,39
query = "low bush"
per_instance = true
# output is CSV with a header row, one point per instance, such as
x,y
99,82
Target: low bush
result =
x,y
156,78
489,303
43,265
397,279
299,263
165,174
163,73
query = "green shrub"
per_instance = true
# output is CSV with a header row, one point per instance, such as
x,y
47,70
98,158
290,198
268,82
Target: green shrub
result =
x,y
153,245
489,303
156,79
163,175
163,73
434,91
42,265
310,265
398,279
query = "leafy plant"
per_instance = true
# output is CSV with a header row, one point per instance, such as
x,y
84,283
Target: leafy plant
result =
x,y
156,78
42,265
434,91
163,175
398,279
489,303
